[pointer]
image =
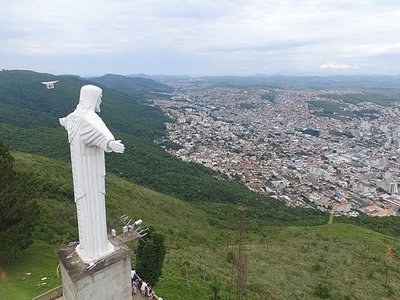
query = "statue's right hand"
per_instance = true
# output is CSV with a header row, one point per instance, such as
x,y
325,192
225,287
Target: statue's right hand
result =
x,y
116,146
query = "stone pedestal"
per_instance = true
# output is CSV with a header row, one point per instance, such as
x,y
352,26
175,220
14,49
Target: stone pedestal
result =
x,y
108,279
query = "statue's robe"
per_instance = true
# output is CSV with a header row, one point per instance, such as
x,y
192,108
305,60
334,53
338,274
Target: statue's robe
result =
x,y
89,137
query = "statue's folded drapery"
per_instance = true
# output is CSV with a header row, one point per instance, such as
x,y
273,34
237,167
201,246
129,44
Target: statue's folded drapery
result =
x,y
89,138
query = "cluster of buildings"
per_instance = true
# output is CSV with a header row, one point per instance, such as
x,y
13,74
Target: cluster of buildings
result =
x,y
278,144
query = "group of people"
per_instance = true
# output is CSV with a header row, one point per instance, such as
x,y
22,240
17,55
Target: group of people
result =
x,y
139,285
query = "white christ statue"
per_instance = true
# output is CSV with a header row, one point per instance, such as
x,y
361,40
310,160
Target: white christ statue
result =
x,y
89,138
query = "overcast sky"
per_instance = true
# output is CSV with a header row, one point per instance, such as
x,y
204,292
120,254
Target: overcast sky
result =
x,y
201,37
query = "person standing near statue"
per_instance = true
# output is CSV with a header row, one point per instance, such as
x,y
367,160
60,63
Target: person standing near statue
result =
x,y
89,138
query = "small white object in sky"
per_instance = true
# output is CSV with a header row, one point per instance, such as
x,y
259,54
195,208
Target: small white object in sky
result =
x,y
49,84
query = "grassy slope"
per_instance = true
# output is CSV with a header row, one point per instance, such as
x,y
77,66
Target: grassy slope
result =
x,y
283,263
351,260
41,261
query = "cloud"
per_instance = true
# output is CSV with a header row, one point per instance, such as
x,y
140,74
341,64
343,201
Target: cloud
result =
x,y
338,66
251,35
374,49
274,46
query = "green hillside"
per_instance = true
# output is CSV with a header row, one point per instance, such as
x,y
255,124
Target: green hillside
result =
x,y
283,262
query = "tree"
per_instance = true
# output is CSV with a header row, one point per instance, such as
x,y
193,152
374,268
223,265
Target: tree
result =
x,y
18,209
322,291
150,256
381,190
6,159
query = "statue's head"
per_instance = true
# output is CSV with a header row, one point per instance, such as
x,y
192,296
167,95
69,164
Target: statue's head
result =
x,y
90,97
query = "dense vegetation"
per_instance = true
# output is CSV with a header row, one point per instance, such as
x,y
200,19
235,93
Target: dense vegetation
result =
x,y
150,255
18,208
271,96
380,98
339,110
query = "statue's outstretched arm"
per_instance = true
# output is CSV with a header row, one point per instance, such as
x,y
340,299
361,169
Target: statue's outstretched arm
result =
x,y
116,146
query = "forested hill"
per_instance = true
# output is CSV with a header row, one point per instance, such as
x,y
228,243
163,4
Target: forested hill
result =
x,y
29,112
132,85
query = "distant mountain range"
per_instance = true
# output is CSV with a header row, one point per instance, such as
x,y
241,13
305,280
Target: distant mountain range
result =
x,y
311,82
303,82
132,85
161,77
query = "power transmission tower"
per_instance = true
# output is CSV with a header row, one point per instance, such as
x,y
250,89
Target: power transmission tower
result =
x,y
241,260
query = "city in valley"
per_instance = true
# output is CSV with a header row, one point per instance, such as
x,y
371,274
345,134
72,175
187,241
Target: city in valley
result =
x,y
313,149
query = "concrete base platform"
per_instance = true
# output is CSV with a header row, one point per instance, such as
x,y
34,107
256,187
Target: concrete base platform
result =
x,y
108,279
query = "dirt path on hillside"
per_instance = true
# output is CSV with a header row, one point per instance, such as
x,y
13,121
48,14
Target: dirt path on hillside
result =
x,y
2,274
389,252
